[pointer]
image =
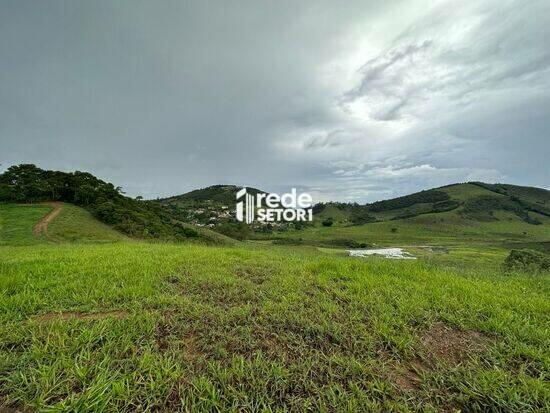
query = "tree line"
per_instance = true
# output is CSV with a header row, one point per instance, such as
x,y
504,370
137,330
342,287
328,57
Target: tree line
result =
x,y
135,217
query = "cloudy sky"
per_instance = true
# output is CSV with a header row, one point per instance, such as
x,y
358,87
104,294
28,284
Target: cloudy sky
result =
x,y
354,100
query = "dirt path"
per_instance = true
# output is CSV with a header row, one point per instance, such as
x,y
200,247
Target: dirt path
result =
x,y
41,227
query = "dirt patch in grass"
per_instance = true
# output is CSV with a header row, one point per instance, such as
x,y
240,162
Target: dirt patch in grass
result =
x,y
172,279
41,226
452,345
440,342
166,337
221,294
257,275
6,409
72,315
407,378
191,348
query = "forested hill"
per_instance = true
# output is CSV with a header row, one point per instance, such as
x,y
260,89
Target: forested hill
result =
x,y
135,217
215,194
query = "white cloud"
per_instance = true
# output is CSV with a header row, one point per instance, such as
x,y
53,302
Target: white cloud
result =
x,y
370,100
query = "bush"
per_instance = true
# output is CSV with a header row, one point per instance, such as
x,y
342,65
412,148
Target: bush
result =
x,y
328,222
527,260
347,243
444,206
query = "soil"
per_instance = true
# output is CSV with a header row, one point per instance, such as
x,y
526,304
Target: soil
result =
x,y
41,227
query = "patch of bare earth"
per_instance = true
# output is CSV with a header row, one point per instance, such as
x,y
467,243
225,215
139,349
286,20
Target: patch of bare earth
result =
x,y
407,378
257,275
166,337
452,345
6,409
441,343
72,315
41,227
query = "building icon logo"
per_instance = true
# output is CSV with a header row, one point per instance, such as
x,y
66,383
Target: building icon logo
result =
x,y
245,208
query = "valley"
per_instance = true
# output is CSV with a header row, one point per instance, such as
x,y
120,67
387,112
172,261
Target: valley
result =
x,y
284,319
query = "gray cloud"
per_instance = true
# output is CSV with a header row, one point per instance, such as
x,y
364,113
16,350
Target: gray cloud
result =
x,y
360,102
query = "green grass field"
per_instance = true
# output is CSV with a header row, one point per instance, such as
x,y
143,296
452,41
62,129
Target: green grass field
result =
x,y
17,223
446,228
451,228
136,326
75,224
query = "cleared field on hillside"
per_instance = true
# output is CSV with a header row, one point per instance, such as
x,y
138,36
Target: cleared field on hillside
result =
x,y
135,326
17,223
491,224
72,224
446,228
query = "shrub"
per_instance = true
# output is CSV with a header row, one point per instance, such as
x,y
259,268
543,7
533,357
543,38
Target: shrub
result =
x,y
444,206
236,230
328,222
347,243
527,260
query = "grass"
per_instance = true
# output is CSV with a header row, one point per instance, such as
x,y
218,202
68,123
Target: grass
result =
x,y
74,224
138,326
17,223
452,228
446,228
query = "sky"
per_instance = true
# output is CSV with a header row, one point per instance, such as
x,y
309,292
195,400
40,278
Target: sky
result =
x,y
350,101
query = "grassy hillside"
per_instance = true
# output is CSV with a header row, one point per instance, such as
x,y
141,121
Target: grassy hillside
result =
x,y
481,216
72,224
469,197
17,222
471,212
136,326
27,183
535,195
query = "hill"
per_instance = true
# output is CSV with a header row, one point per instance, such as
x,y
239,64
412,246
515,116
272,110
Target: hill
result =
x,y
475,200
163,326
19,225
207,205
467,212
211,207
458,213
215,194
102,200
472,211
